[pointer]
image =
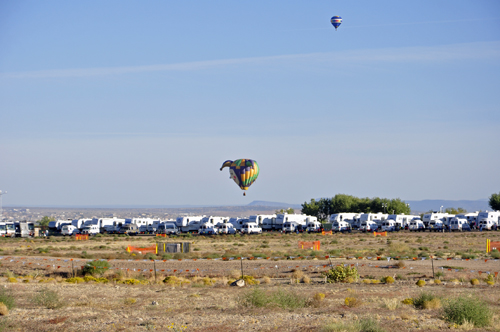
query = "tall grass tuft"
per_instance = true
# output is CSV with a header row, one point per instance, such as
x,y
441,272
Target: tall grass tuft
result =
x,y
7,298
279,298
363,325
468,309
48,299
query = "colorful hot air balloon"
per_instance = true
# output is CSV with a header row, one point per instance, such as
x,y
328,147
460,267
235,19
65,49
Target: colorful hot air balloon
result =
x,y
243,171
336,21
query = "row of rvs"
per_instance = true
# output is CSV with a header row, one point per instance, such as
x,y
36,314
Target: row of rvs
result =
x,y
186,224
17,229
434,221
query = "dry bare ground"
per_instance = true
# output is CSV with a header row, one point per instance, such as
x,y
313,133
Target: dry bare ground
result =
x,y
209,304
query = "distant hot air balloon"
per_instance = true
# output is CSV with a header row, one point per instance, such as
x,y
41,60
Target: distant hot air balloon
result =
x,y
243,171
336,21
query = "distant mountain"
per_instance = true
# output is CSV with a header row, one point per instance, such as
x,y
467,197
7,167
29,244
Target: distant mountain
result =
x,y
435,204
275,204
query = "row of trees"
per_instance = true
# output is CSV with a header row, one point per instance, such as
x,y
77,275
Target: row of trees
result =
x,y
324,207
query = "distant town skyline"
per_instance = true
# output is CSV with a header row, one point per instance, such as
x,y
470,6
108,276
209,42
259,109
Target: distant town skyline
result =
x,y
131,103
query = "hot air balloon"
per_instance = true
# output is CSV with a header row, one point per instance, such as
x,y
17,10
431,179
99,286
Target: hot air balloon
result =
x,y
243,171
336,21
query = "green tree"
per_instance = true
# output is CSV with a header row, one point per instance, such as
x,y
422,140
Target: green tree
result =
x,y
45,221
495,201
289,211
311,209
455,211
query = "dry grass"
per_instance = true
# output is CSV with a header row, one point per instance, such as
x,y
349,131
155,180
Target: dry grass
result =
x,y
432,304
4,311
391,304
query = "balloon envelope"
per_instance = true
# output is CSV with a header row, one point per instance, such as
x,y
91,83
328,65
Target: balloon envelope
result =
x,y
243,171
336,21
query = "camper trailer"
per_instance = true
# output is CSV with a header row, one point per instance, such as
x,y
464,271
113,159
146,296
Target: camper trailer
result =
x,y
265,221
429,217
459,224
208,229
390,225
416,225
471,218
341,226
227,228
488,220
238,223
188,224
282,218
251,228
402,220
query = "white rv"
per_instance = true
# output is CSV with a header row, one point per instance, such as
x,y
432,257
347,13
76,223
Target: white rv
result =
x,y
238,222
188,224
208,229
226,228
10,229
341,226
251,228
69,230
169,228
416,225
79,223
401,220
282,218
368,226
470,217
265,221
153,228
142,223
91,229
108,225
389,225
378,218
428,217
459,224
344,216
488,220
314,226
214,220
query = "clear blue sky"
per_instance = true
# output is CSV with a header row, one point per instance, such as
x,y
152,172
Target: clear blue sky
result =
x,y
140,102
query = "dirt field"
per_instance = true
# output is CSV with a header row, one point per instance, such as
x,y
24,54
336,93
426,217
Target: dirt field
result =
x,y
201,299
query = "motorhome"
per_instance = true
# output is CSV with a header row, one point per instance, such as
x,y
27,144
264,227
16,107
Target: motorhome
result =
x,y
3,229
185,223
284,217
69,230
169,228
344,216
56,225
251,228
488,220
459,224
80,223
108,225
214,220
11,229
428,217
208,229
436,225
401,220
142,223
341,226
314,227
471,218
129,229
22,229
416,225
153,228
90,229
390,225
378,218
293,226
265,221
238,222
227,228
368,226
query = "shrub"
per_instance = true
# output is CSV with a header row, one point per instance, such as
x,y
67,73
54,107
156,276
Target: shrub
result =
x,y
297,274
340,273
75,280
437,281
389,280
306,280
391,304
473,310
352,302
421,283
363,325
435,303
408,301
12,279
420,301
255,298
4,311
129,301
7,298
96,267
280,298
249,280
47,298
495,254
266,280
474,282
400,264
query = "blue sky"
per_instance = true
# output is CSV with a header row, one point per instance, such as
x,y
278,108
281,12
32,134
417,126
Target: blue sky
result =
x,y
128,102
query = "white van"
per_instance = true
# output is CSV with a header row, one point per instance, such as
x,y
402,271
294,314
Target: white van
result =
x,y
389,225
488,220
459,224
90,230
368,226
416,225
227,228
341,226
69,230
208,229
251,228
313,227
238,222
291,227
168,228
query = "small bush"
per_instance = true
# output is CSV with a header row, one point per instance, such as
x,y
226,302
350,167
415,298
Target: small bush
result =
x,y
249,280
4,311
408,301
420,301
363,325
420,283
129,301
352,302
437,281
48,299
280,298
473,310
495,254
306,280
7,298
474,282
96,267
391,304
389,280
266,280
297,274
12,279
435,303
400,264
341,273
75,280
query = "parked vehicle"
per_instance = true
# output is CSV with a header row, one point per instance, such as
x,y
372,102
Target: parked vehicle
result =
x,y
436,225
238,223
129,229
91,230
402,220
22,229
416,225
459,224
282,218
188,224
153,228
3,229
471,218
389,225
69,230
428,217
208,229
341,226
169,228
344,216
489,220
265,221
314,227
368,226
251,228
293,227
227,228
